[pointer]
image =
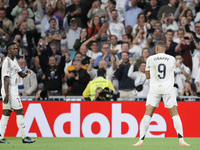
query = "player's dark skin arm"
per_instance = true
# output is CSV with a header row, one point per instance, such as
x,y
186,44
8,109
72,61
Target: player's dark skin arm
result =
x,y
6,85
147,74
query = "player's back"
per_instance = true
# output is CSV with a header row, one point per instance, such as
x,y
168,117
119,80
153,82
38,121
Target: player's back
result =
x,y
161,67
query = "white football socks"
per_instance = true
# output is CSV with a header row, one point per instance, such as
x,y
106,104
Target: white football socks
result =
x,y
144,126
178,126
21,126
4,121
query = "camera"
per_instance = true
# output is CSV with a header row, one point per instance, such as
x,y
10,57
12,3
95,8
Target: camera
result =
x,y
157,29
167,15
107,91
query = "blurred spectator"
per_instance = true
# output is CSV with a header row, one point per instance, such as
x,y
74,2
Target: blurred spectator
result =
x,y
190,18
16,12
184,44
95,27
131,19
135,49
155,37
141,83
96,11
39,7
153,9
126,85
105,56
114,47
53,35
73,31
53,73
22,52
99,82
128,29
93,53
86,59
143,4
27,38
141,24
125,48
25,18
59,11
116,27
144,56
45,50
103,35
120,9
182,72
83,38
141,39
54,53
68,62
45,26
197,79
167,9
39,73
109,7
27,86
168,22
6,26
78,11
70,68
171,46
183,23
78,78
187,91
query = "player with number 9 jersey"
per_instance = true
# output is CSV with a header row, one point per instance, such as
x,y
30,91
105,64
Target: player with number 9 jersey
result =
x,y
161,67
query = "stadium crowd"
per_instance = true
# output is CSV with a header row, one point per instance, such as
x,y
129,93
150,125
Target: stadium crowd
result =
x,y
64,42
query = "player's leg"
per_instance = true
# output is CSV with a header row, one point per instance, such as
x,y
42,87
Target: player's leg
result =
x,y
4,121
21,126
151,104
145,124
177,125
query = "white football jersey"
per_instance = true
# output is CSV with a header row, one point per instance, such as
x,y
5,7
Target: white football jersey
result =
x,y
10,68
161,67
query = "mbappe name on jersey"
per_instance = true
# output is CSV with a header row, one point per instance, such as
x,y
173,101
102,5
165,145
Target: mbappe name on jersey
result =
x,y
161,58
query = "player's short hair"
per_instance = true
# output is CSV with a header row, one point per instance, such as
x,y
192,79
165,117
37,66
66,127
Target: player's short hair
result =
x,y
161,44
9,44
101,72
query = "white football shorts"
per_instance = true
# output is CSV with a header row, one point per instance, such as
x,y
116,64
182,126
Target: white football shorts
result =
x,y
14,103
168,99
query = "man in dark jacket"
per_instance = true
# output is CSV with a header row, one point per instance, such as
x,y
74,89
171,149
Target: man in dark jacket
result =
x,y
78,78
53,73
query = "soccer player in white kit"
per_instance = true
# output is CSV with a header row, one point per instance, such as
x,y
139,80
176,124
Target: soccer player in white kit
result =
x,y
160,71
9,91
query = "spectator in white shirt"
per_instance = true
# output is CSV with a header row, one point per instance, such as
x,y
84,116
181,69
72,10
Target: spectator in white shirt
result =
x,y
114,47
116,27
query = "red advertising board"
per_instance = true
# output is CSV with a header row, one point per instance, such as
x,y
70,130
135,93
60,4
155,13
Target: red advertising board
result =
x,y
101,119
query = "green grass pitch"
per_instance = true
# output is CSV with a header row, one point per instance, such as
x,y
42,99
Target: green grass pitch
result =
x,y
99,144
